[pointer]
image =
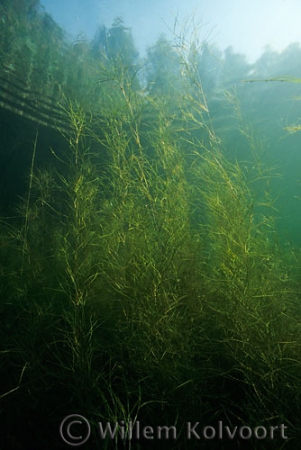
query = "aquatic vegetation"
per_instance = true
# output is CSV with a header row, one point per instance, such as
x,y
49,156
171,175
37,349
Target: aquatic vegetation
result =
x,y
141,275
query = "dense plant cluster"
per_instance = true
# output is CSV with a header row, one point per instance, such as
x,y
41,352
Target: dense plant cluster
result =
x,y
142,276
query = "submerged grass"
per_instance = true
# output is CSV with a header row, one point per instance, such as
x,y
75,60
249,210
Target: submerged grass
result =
x,y
142,282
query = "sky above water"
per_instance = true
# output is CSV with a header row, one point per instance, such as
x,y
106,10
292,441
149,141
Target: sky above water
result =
x,y
246,25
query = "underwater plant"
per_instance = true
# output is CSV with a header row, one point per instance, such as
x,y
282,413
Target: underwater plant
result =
x,y
142,279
